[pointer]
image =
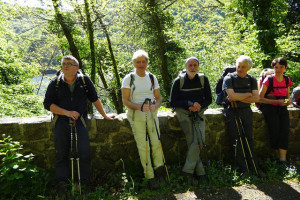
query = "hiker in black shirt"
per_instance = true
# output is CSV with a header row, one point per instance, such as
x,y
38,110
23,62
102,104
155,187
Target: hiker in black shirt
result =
x,y
190,96
241,89
66,97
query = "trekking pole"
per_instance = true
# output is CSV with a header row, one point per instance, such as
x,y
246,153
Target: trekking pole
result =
x,y
235,147
233,104
72,156
147,101
250,152
158,136
77,158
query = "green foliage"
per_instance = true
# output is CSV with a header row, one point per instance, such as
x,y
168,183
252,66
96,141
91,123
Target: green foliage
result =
x,y
278,171
18,178
216,32
20,101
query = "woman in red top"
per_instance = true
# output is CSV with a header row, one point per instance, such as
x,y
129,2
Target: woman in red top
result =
x,y
275,107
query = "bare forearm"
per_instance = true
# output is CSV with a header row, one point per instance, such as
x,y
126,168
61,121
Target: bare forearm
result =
x,y
158,103
269,101
100,109
252,99
131,105
58,110
240,96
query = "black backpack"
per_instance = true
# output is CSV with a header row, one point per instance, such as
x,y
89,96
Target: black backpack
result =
x,y
132,79
181,75
271,85
296,96
220,93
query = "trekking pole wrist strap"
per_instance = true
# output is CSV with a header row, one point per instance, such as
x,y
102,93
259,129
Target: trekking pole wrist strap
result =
x,y
142,106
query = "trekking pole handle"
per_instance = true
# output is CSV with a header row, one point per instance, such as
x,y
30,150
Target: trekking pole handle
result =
x,y
147,101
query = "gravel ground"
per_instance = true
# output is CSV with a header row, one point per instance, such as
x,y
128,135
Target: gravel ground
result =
x,y
289,190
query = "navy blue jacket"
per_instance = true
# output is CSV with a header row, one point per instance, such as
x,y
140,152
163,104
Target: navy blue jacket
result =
x,y
76,101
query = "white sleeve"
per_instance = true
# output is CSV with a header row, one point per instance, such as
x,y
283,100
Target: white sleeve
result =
x,y
156,85
126,81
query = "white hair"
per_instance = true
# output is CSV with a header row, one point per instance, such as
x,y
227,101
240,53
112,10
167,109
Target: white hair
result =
x,y
69,57
244,58
140,53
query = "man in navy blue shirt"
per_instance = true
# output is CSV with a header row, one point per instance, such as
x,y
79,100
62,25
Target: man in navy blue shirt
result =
x,y
66,97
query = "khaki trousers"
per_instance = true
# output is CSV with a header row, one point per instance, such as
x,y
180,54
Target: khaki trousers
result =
x,y
193,161
137,120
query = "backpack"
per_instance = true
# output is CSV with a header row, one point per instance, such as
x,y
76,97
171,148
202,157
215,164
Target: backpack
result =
x,y
296,97
132,79
220,93
181,75
264,73
271,86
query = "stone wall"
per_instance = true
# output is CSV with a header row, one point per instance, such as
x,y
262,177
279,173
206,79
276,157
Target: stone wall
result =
x,y
113,140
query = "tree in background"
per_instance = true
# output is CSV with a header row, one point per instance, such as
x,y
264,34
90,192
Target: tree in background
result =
x,y
150,22
67,29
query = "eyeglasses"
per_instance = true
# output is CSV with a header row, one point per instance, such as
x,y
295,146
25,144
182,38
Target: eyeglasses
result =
x,y
67,64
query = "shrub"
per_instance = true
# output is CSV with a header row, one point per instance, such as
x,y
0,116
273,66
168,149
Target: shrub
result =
x,y
19,179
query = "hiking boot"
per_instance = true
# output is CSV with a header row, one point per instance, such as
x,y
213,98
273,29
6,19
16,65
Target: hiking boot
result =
x,y
202,179
188,178
245,174
161,174
261,174
152,184
85,187
62,190
282,165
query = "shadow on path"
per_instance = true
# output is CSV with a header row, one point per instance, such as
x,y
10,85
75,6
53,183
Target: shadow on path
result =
x,y
218,194
280,190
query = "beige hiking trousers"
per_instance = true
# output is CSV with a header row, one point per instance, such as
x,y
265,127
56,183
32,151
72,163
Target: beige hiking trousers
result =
x,y
140,121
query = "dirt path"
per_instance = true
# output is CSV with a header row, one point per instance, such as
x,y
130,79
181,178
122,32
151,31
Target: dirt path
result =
x,y
289,190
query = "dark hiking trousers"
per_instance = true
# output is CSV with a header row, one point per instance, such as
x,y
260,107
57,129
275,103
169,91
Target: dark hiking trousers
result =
x,y
232,117
62,139
277,118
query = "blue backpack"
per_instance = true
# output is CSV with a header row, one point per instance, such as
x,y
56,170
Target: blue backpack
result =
x,y
220,93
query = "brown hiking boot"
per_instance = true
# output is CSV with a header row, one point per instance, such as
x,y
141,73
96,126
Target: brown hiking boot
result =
x,y
153,184
62,189
161,174
188,178
202,179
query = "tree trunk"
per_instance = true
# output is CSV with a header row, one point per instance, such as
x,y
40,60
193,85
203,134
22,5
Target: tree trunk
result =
x,y
91,39
112,92
67,31
119,105
162,47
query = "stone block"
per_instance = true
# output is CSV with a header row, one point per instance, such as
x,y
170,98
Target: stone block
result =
x,y
132,151
107,126
122,137
99,138
13,130
36,131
